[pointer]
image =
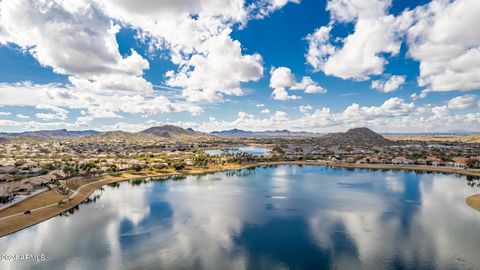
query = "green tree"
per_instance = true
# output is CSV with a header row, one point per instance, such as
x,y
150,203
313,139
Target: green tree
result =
x,y
179,166
471,163
112,168
89,167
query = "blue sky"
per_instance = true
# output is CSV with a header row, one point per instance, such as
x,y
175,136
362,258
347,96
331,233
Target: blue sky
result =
x,y
394,66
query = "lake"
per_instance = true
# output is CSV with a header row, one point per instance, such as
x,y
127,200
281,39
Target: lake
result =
x,y
253,150
281,217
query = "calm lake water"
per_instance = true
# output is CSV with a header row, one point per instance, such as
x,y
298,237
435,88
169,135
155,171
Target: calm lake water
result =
x,y
283,217
253,150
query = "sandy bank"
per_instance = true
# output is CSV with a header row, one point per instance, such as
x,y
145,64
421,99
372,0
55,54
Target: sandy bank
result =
x,y
474,202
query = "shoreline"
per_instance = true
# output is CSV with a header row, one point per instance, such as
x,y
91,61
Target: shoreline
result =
x,y
15,222
474,201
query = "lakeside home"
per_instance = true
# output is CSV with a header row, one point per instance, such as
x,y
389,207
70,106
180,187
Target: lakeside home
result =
x,y
9,169
401,160
460,162
6,178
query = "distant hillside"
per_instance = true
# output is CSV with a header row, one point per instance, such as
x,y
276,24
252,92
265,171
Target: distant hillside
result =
x,y
170,132
233,133
269,133
60,133
356,137
167,131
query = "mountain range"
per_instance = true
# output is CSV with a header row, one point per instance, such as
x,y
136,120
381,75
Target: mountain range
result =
x,y
269,133
166,131
358,136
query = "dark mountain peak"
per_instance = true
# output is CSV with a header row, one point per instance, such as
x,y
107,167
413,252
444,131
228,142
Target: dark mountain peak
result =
x,y
165,128
356,137
362,130
169,131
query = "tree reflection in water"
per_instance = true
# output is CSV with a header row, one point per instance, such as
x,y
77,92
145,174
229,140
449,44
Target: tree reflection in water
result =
x,y
309,217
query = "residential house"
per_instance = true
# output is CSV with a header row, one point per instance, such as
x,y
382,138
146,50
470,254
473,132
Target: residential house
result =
x,y
398,160
408,162
6,177
189,162
449,164
8,170
57,174
39,181
362,161
5,195
421,161
17,188
460,162
434,161
336,159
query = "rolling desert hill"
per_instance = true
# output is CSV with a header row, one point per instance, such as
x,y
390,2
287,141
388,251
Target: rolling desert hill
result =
x,y
167,133
356,137
176,133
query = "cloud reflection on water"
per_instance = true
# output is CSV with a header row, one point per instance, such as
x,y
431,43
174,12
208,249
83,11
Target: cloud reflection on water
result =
x,y
326,217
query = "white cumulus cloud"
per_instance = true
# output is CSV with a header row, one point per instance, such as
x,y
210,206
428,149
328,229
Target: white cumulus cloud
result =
x,y
23,116
389,85
305,108
265,111
360,54
75,39
463,102
442,36
282,79
218,70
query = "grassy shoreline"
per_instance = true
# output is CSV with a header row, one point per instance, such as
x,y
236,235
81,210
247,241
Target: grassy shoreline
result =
x,y
12,218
